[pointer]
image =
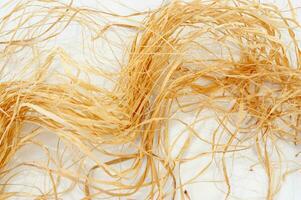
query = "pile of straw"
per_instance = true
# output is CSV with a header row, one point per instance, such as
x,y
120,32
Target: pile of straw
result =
x,y
238,60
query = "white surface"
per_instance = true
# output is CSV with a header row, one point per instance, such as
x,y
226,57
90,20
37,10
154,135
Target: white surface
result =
x,y
246,184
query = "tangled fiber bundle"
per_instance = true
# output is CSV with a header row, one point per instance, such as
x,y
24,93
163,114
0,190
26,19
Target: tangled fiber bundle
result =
x,y
215,59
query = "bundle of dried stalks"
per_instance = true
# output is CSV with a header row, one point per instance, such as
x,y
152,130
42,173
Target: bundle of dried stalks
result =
x,y
228,57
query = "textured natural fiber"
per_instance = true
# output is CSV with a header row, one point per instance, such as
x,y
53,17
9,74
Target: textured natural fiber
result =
x,y
228,58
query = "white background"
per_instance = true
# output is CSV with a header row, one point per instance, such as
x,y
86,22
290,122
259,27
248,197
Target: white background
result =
x,y
246,184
